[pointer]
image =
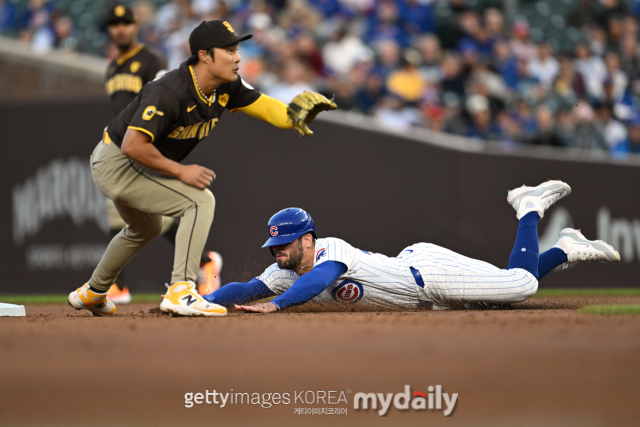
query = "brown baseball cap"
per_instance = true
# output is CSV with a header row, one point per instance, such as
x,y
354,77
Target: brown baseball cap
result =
x,y
214,34
119,12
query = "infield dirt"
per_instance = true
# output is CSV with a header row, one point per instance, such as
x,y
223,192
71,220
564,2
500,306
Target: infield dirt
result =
x,y
540,364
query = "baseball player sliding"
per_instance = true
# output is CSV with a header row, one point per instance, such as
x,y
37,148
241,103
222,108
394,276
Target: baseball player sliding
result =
x,y
137,163
329,271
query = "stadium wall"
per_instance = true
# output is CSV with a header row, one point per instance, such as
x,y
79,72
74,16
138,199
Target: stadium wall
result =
x,y
378,190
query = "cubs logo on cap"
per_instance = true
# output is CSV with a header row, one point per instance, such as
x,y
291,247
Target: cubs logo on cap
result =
x,y
273,231
348,292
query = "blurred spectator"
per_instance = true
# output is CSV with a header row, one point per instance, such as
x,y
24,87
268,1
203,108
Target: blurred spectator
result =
x,y
406,82
385,24
417,16
632,143
394,114
293,81
544,67
8,18
569,86
37,28
389,55
370,93
527,86
429,46
546,130
481,126
145,12
614,132
523,48
452,79
587,133
615,75
592,69
298,15
305,49
344,51
494,23
64,33
629,58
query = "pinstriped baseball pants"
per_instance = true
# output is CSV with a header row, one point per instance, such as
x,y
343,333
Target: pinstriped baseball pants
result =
x,y
451,277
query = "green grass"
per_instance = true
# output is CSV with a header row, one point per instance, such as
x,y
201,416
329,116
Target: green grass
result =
x,y
611,310
586,292
589,292
62,299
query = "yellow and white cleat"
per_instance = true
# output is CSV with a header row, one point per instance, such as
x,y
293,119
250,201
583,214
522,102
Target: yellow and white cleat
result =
x,y
182,299
97,303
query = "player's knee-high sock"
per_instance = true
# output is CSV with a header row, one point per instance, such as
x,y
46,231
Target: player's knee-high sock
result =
x,y
525,251
550,260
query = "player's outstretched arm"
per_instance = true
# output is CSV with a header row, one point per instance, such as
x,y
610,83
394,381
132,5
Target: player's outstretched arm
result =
x,y
298,114
304,289
270,110
239,293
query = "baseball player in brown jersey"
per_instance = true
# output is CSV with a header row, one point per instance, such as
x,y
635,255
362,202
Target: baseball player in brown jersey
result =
x,y
137,164
134,66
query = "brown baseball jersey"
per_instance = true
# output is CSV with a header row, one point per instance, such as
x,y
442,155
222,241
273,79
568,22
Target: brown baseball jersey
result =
x,y
175,115
126,75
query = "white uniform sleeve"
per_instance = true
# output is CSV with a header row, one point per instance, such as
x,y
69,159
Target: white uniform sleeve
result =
x,y
278,280
332,249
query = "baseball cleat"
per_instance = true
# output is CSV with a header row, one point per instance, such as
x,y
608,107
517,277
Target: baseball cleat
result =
x,y
118,296
209,276
97,303
182,299
537,199
578,248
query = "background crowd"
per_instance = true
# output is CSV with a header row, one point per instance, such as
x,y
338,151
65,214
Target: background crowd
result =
x,y
459,66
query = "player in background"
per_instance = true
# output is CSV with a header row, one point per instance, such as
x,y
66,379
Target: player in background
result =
x,y
134,66
332,273
137,163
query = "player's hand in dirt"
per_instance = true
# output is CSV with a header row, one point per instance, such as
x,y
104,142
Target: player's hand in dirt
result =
x,y
196,176
263,307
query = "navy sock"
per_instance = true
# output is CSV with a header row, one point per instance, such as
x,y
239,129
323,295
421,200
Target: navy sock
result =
x,y
550,260
525,250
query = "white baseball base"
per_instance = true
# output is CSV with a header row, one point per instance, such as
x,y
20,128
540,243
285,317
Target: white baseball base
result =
x,y
12,310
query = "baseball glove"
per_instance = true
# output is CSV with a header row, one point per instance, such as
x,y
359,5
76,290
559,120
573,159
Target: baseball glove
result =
x,y
305,107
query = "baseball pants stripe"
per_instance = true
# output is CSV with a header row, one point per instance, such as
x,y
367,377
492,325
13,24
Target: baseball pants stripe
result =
x,y
451,277
143,197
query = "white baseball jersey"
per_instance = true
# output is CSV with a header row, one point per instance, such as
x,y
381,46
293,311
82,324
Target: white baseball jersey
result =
x,y
375,280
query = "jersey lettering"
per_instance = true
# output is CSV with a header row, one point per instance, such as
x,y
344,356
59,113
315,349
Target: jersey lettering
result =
x,y
124,82
199,130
